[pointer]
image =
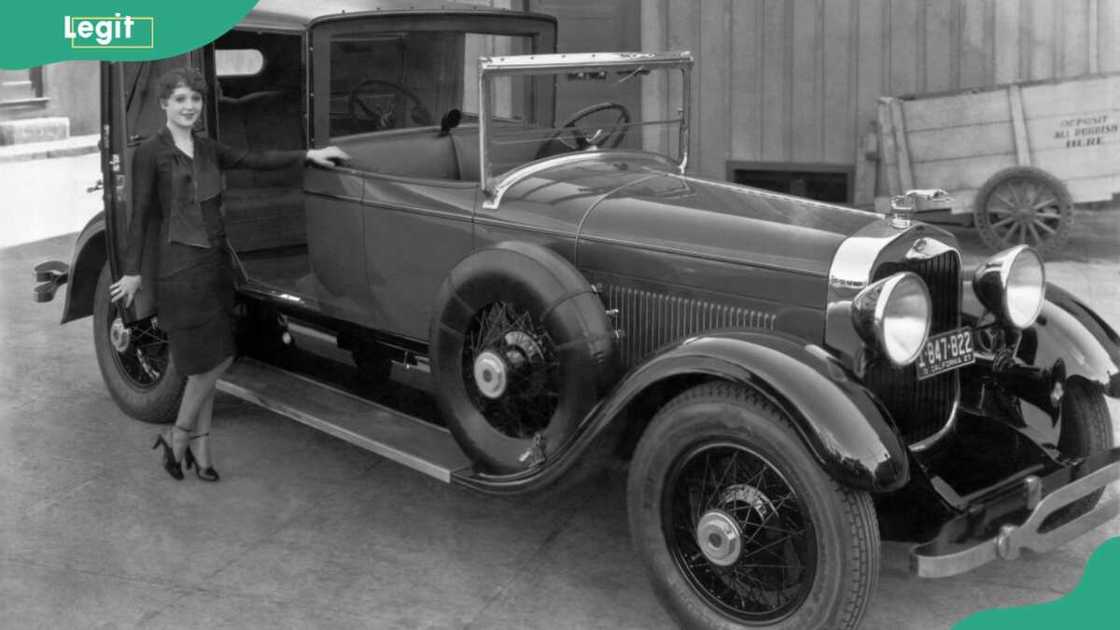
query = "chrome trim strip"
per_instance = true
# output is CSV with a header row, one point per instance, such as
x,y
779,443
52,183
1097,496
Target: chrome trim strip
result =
x,y
1012,539
922,445
512,64
493,196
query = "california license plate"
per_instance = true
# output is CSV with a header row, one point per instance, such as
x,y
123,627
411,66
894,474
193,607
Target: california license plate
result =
x,y
944,352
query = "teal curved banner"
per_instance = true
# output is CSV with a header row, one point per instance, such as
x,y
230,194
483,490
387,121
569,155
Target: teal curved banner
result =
x,y
1090,606
39,33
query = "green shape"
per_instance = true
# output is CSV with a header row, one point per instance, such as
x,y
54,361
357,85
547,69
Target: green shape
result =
x,y
39,33
1091,605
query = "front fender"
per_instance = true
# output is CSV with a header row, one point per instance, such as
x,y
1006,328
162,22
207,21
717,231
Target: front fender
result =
x,y
90,253
1070,331
837,418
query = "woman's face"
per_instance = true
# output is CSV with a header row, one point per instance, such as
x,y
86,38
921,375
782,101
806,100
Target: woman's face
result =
x,y
183,107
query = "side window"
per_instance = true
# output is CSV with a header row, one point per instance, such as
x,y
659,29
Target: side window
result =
x,y
260,91
237,62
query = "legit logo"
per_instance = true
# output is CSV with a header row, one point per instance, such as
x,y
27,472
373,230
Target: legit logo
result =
x,y
110,32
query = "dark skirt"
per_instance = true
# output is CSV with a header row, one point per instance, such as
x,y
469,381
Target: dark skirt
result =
x,y
196,311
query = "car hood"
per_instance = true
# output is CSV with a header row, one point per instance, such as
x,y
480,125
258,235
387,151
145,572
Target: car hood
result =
x,y
692,216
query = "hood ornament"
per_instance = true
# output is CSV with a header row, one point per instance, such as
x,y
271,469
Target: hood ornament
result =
x,y
904,206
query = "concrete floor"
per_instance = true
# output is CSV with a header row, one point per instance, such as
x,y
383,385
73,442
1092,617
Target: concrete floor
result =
x,y
307,531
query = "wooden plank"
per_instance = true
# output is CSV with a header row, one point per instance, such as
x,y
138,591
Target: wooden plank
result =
x,y
940,50
888,153
713,118
1094,161
838,105
976,64
655,102
953,143
962,173
1007,18
1043,14
680,35
1088,190
1094,36
807,77
1018,125
1108,28
776,82
905,175
1071,97
957,110
903,53
863,188
1075,38
869,86
746,80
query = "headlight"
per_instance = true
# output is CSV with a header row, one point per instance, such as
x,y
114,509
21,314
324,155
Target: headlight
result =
x,y
1012,284
893,315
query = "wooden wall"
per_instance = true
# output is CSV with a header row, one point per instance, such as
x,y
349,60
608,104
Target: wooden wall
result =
x,y
795,81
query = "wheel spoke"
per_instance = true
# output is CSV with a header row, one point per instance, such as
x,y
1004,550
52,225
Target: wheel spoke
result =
x,y
1042,225
1049,201
1003,222
1034,233
775,568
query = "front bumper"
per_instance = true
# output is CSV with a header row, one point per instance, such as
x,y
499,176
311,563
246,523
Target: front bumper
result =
x,y
948,554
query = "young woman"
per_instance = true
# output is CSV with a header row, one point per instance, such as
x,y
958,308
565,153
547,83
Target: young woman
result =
x,y
177,183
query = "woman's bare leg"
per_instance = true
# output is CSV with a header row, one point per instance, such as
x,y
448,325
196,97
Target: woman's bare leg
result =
x,y
198,395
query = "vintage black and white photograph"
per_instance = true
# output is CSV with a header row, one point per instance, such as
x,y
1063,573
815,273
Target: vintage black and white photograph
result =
x,y
541,314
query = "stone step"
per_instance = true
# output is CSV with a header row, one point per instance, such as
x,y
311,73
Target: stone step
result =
x,y
29,130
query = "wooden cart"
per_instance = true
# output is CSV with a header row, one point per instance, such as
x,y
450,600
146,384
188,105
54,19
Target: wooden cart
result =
x,y
1016,157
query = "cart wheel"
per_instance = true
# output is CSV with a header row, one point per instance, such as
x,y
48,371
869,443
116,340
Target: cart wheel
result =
x,y
1024,205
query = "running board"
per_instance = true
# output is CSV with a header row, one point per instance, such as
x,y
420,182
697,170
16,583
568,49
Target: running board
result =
x,y
400,437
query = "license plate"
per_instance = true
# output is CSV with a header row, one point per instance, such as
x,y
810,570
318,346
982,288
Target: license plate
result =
x,y
944,352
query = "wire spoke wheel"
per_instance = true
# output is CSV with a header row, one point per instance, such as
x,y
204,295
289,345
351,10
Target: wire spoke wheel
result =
x,y
141,350
739,533
1024,205
511,370
135,361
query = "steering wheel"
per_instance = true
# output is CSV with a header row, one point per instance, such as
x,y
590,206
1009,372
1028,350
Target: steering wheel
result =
x,y
610,139
385,118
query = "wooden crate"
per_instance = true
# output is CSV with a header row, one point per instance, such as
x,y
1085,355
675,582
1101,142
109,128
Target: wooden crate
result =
x,y
1069,128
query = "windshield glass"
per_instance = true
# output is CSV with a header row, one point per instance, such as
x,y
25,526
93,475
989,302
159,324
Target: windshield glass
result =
x,y
380,81
598,107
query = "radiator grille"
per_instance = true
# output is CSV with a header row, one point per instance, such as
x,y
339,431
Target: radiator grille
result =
x,y
650,319
921,408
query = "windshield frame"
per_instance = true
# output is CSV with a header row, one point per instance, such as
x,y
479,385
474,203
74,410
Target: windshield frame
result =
x,y
521,65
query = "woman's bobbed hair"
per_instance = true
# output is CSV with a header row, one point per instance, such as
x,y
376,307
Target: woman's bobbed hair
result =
x,y
184,77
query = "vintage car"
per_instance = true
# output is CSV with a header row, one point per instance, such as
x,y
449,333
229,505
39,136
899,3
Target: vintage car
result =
x,y
514,280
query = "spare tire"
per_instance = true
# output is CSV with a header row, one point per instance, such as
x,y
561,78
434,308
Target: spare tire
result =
x,y
521,350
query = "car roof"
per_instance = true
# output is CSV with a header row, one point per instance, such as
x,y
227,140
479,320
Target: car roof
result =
x,y
297,15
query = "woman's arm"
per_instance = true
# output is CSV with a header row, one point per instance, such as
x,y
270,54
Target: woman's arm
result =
x,y
229,157
143,206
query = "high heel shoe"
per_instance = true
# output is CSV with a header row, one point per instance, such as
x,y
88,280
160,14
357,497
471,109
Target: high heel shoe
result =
x,y
173,467
207,474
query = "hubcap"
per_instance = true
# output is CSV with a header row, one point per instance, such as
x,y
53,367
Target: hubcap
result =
x,y
719,538
119,335
490,374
